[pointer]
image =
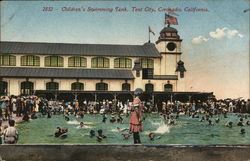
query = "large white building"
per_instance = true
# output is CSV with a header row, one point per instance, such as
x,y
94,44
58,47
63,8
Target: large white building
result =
x,y
29,68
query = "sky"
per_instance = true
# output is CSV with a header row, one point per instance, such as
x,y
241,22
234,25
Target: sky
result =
x,y
215,33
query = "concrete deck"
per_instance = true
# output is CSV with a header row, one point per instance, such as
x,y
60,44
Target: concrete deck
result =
x,y
125,152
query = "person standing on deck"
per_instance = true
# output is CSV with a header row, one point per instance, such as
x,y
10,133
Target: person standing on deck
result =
x,y
136,117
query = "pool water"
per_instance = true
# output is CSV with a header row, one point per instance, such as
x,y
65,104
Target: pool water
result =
x,y
186,131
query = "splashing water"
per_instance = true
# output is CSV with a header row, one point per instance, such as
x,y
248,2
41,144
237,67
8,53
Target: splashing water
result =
x,y
115,130
163,128
74,122
88,123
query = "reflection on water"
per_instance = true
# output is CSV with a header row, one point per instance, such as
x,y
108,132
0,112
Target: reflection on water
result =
x,y
186,131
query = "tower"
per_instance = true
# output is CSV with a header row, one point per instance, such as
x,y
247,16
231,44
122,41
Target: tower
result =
x,y
169,46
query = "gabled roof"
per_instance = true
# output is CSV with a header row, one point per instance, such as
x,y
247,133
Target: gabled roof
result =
x,y
67,73
37,48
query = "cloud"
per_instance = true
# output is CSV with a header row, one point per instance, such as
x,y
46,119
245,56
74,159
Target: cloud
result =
x,y
224,32
199,39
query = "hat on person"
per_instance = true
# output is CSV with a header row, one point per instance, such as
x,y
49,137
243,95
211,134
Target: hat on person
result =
x,y
138,91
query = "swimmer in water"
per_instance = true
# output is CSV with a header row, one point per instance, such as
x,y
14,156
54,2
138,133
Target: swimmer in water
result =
x,y
126,136
171,121
210,123
242,131
217,120
240,123
81,124
66,118
151,136
92,133
202,119
229,124
112,120
61,132
100,136
104,118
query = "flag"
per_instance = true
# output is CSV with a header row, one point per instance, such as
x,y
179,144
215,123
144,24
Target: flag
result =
x,y
170,20
149,30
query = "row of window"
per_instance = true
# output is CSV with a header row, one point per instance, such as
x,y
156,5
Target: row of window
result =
x,y
77,61
28,87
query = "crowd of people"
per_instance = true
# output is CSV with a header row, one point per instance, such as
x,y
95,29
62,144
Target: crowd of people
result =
x,y
32,107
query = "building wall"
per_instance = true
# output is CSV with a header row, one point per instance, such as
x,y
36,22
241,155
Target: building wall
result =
x,y
166,65
14,85
65,60
169,63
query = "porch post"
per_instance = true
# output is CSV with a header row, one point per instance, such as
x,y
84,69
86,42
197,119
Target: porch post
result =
x,y
95,98
75,96
153,98
189,98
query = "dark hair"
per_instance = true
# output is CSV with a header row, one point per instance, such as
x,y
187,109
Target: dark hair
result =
x,y
12,122
99,131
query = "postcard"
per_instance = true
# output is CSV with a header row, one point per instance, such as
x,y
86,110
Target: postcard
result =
x,y
125,73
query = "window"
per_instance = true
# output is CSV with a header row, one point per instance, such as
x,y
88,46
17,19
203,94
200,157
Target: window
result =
x,y
52,86
168,34
171,46
147,63
3,88
77,62
126,87
147,68
182,74
54,61
149,87
30,60
100,62
7,60
147,73
77,86
27,88
168,87
101,86
123,63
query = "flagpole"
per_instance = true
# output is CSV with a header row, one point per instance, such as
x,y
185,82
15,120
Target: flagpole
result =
x,y
164,22
148,35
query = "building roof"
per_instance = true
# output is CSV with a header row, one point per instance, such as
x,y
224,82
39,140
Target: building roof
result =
x,y
68,73
146,50
168,29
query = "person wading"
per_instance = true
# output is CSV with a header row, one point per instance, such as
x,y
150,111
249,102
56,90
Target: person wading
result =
x,y
136,117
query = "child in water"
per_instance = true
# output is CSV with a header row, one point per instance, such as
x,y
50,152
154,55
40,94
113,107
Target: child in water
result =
x,y
240,123
81,124
100,135
112,120
229,124
61,132
92,133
